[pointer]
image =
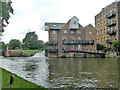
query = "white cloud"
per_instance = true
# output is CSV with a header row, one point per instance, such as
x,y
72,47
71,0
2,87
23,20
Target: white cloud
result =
x,y
31,15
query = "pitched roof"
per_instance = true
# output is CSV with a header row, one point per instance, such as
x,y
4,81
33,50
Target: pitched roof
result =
x,y
54,25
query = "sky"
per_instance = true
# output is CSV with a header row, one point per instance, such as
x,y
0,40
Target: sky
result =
x,y
30,15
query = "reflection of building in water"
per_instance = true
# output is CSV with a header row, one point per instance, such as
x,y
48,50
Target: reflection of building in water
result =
x,y
70,38
72,73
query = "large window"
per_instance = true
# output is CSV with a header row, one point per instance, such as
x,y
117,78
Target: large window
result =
x,y
54,32
79,38
65,31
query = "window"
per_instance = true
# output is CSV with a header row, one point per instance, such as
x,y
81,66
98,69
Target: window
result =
x,y
65,31
79,38
104,23
98,25
107,30
98,32
114,9
104,15
74,22
101,39
101,24
101,16
54,39
90,39
65,39
111,29
54,32
72,31
79,31
104,38
110,21
104,30
98,19
110,12
90,32
72,39
101,31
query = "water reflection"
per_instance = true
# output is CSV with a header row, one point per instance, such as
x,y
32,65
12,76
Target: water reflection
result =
x,y
68,72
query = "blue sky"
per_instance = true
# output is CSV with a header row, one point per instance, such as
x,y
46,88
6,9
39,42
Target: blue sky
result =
x,y
30,15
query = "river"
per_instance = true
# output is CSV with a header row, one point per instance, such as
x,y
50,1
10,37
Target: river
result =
x,y
64,72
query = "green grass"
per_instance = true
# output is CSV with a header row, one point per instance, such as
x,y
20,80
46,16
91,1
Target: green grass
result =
x,y
30,51
18,81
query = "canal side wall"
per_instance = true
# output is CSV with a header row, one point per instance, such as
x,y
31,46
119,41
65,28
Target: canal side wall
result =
x,y
82,55
112,54
10,53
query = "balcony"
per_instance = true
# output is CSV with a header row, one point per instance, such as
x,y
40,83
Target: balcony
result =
x,y
51,43
109,41
113,14
111,33
51,50
111,24
79,42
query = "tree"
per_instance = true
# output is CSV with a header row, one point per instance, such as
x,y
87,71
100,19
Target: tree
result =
x,y
3,46
100,47
115,45
31,41
14,43
5,10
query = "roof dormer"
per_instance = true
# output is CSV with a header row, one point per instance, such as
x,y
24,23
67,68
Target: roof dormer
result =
x,y
73,24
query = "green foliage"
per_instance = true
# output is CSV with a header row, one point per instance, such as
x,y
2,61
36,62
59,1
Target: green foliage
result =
x,y
100,47
115,45
6,9
14,43
18,81
2,46
31,41
63,56
30,51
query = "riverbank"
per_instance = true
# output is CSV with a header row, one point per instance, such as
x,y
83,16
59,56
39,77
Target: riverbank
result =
x,y
20,53
29,51
18,81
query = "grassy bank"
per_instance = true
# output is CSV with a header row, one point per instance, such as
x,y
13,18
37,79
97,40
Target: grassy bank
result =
x,y
18,81
30,51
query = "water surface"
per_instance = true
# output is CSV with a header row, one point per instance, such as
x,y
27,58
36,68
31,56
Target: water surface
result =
x,y
65,72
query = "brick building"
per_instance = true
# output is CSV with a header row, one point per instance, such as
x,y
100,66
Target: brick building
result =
x,y
70,38
107,23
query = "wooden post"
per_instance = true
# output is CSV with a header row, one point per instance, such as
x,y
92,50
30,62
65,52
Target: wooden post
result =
x,y
12,79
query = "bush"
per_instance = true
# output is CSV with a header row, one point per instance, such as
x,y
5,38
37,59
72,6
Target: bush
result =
x,y
63,56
